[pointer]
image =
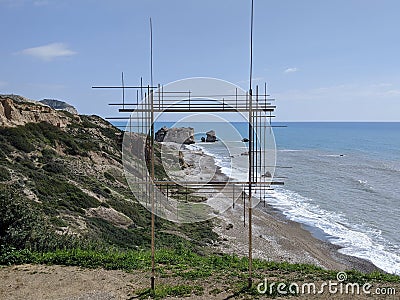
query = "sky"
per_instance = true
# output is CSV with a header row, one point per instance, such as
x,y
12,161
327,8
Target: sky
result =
x,y
322,60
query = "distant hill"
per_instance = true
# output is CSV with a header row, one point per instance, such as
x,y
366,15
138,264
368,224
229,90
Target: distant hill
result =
x,y
59,105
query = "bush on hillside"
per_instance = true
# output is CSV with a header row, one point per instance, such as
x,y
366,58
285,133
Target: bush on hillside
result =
x,y
23,225
4,174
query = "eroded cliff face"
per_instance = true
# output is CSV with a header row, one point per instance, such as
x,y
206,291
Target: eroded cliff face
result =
x,y
14,113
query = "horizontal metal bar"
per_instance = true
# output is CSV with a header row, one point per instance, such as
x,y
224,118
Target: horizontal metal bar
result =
x,y
199,183
124,87
190,104
205,101
118,118
196,110
172,92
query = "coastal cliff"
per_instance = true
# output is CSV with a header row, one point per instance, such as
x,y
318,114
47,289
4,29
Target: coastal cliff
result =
x,y
62,174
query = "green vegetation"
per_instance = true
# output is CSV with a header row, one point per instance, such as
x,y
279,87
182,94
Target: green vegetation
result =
x,y
25,138
4,174
46,170
23,225
182,263
18,137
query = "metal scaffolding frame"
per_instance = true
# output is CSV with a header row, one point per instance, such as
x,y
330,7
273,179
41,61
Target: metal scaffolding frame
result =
x,y
140,126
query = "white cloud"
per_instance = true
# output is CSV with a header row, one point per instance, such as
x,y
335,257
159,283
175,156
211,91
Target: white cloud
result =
x,y
48,52
290,70
393,93
382,85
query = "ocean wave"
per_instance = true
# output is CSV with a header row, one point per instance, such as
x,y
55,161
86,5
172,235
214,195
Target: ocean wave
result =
x,y
358,241
291,150
364,185
194,147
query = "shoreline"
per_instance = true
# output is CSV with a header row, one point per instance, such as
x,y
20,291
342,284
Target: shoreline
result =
x,y
275,237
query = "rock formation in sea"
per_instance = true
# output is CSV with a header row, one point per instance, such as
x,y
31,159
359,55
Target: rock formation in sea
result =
x,y
211,137
180,135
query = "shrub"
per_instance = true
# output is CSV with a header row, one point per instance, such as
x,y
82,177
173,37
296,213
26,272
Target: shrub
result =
x,y
21,223
54,167
63,194
4,174
48,155
18,137
100,192
109,176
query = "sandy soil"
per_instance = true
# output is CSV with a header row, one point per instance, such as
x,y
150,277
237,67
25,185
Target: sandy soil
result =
x,y
37,282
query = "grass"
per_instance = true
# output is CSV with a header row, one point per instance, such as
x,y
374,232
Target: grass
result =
x,y
191,270
182,263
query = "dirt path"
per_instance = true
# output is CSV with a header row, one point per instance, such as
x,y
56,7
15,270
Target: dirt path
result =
x,y
39,282
62,283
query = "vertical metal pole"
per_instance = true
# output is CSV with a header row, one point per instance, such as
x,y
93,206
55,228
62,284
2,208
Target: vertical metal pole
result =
x,y
265,95
141,88
233,196
159,97
123,91
236,98
151,111
250,279
151,54
162,96
244,205
189,100
152,193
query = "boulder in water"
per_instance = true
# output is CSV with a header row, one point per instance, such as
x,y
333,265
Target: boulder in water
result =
x,y
211,137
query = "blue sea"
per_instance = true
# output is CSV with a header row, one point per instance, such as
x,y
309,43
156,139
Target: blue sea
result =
x,y
343,184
